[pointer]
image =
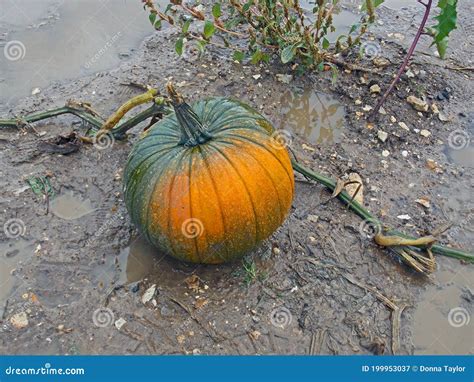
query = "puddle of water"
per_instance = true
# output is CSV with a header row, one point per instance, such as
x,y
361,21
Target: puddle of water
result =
x,y
70,207
139,260
317,117
65,39
12,254
464,157
442,324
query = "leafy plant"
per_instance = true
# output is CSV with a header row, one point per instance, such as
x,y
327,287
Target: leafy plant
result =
x,y
285,27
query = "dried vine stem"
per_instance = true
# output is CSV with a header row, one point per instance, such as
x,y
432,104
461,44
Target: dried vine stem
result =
x,y
408,248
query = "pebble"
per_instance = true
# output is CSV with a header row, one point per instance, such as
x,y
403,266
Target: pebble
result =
x,y
35,91
367,108
381,62
149,293
404,126
284,78
393,119
404,153
19,320
425,133
375,89
404,217
417,103
382,135
256,76
385,153
119,323
358,102
410,74
313,218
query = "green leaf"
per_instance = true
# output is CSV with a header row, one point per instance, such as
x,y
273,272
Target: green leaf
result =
x,y
179,46
152,18
201,46
378,2
446,22
326,43
209,29
256,57
238,56
216,10
186,26
157,24
287,54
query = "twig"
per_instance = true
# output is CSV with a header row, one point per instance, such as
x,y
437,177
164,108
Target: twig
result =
x,y
407,58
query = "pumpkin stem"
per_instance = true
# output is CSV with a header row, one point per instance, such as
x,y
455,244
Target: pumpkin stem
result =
x,y
192,131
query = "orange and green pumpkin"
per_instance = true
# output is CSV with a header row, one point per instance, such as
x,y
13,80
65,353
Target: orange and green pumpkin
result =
x,y
208,183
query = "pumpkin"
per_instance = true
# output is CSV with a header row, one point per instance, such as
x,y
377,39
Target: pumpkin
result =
x,y
209,182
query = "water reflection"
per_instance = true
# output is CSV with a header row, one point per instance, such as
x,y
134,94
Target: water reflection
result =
x,y
317,117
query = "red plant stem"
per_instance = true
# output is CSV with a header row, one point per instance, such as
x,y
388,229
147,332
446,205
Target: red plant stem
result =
x,y
407,57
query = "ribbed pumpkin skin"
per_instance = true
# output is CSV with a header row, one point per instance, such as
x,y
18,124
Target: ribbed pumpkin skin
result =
x,y
215,201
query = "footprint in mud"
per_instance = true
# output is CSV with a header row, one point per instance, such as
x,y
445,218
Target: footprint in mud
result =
x,y
70,207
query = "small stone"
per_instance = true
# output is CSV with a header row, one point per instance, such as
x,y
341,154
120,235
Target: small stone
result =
x,y
255,335
382,111
256,76
358,102
410,74
434,108
393,119
19,320
404,126
119,323
425,133
382,135
196,351
417,103
276,251
404,153
36,91
424,202
404,217
385,153
313,218
284,78
180,338
375,89
442,117
149,293
380,62
367,108
308,148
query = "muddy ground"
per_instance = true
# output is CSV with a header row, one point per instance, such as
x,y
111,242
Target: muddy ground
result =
x,y
75,281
